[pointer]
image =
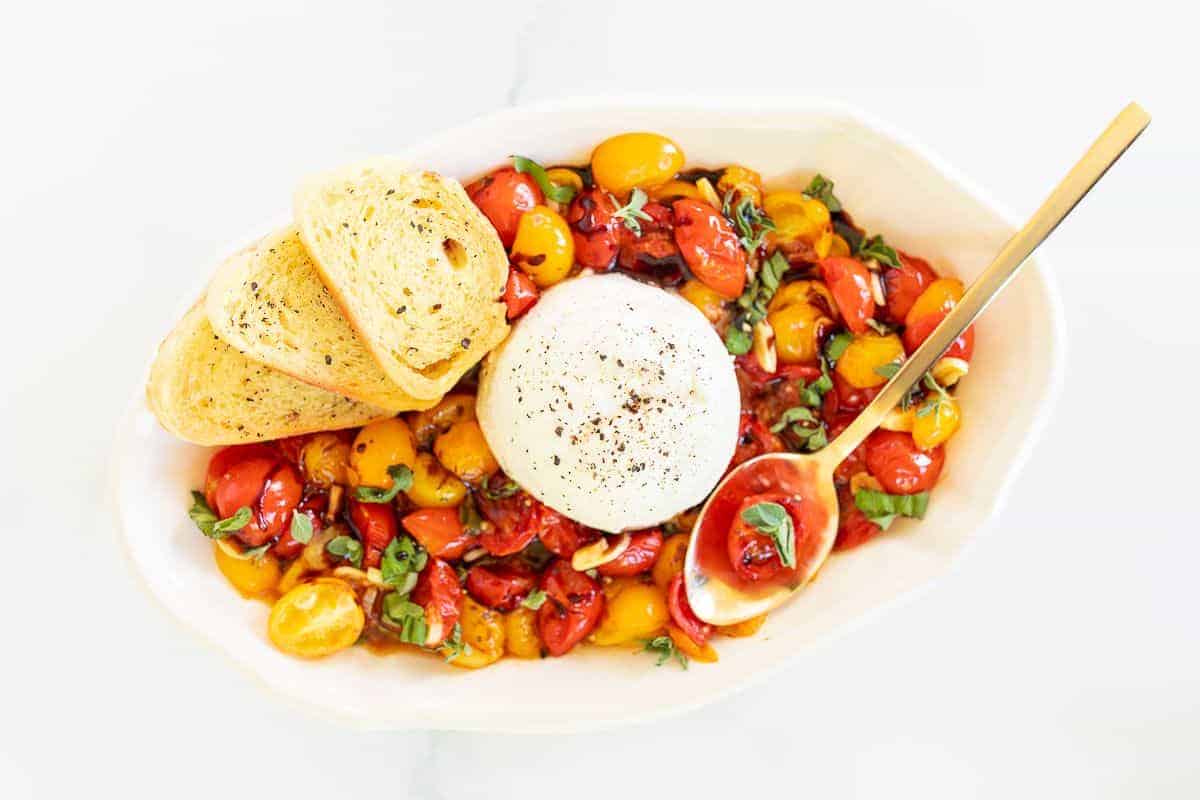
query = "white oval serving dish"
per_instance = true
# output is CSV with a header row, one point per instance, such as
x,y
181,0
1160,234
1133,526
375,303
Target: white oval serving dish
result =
x,y
891,186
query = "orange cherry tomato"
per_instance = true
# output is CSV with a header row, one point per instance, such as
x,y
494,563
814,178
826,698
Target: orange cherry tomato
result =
x,y
520,293
905,284
595,230
710,247
438,592
376,526
752,554
902,467
683,616
439,530
963,347
573,607
850,282
503,196
501,586
638,557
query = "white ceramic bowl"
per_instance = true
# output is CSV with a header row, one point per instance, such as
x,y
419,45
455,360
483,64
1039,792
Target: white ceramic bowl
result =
x,y
891,187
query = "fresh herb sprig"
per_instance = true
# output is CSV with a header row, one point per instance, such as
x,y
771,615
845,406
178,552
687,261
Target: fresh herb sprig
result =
x,y
631,214
407,616
402,480
752,304
752,222
773,520
455,645
879,250
666,650
557,192
805,425
346,548
821,188
213,526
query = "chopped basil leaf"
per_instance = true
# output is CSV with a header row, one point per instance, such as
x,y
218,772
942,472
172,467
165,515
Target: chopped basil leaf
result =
x,y
347,548
752,222
553,191
302,527
256,553
883,508
666,650
534,599
402,560
408,616
454,646
753,302
879,250
631,213
774,520
208,523
821,188
402,479
813,393
793,414
852,235
837,345
737,341
887,370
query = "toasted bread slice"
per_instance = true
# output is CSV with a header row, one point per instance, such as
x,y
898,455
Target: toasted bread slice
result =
x,y
206,392
269,303
417,269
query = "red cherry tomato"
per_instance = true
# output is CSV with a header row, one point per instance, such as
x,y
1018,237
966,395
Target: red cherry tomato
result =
x,y
520,293
904,285
573,607
594,228
500,586
439,530
683,616
637,558
754,439
752,554
512,524
849,281
846,398
280,495
376,525
438,592
902,467
791,372
963,347
854,463
312,507
562,536
236,476
710,247
503,196
853,526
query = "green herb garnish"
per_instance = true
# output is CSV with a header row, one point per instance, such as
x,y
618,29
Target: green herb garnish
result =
x,y
836,346
533,601
553,191
876,248
821,188
212,526
631,213
666,650
753,304
407,616
883,508
301,528
805,425
752,222
454,646
401,561
256,553
347,548
887,370
506,489
773,520
402,479
812,394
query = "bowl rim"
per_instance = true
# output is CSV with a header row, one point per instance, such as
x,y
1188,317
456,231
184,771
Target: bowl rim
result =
x,y
766,105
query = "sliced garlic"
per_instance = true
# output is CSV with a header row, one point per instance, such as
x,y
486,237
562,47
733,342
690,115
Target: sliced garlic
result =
x,y
877,289
708,193
434,636
764,346
599,552
947,371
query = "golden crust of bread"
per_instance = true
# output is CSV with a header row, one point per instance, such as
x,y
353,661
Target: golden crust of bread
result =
x,y
206,392
268,302
416,268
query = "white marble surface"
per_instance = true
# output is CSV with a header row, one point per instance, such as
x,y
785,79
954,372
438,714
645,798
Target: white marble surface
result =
x,y
1062,658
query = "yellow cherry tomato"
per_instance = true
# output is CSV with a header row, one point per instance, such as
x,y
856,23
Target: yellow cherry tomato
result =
x,y
839,247
324,458
378,446
483,635
798,217
633,610
673,190
520,633
630,160
798,329
811,292
936,421
711,304
252,577
544,248
433,485
316,619
744,628
860,364
670,560
463,450
742,181
427,424
561,176
705,653
941,295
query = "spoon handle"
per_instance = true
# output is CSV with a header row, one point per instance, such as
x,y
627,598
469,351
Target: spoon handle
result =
x,y
1103,153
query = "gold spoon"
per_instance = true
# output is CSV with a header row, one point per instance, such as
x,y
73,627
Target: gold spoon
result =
x,y
713,589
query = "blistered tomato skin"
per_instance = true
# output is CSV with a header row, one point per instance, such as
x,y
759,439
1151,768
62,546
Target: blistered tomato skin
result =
x,y
501,586
902,467
377,446
865,357
752,554
438,592
594,229
520,293
850,283
543,248
710,247
630,160
639,557
633,611
683,616
438,530
560,535
573,607
511,525
503,196
904,285
280,496
376,526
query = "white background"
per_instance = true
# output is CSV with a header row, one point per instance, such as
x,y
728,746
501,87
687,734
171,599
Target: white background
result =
x,y
1061,659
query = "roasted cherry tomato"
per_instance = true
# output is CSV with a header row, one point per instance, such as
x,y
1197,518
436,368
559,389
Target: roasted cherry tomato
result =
x,y
501,586
904,285
312,507
710,247
850,282
639,557
752,554
438,592
573,607
963,347
439,530
626,160
683,616
520,293
754,439
280,496
789,372
226,458
853,526
511,520
503,196
854,463
844,398
562,536
236,477
594,229
376,526
902,467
